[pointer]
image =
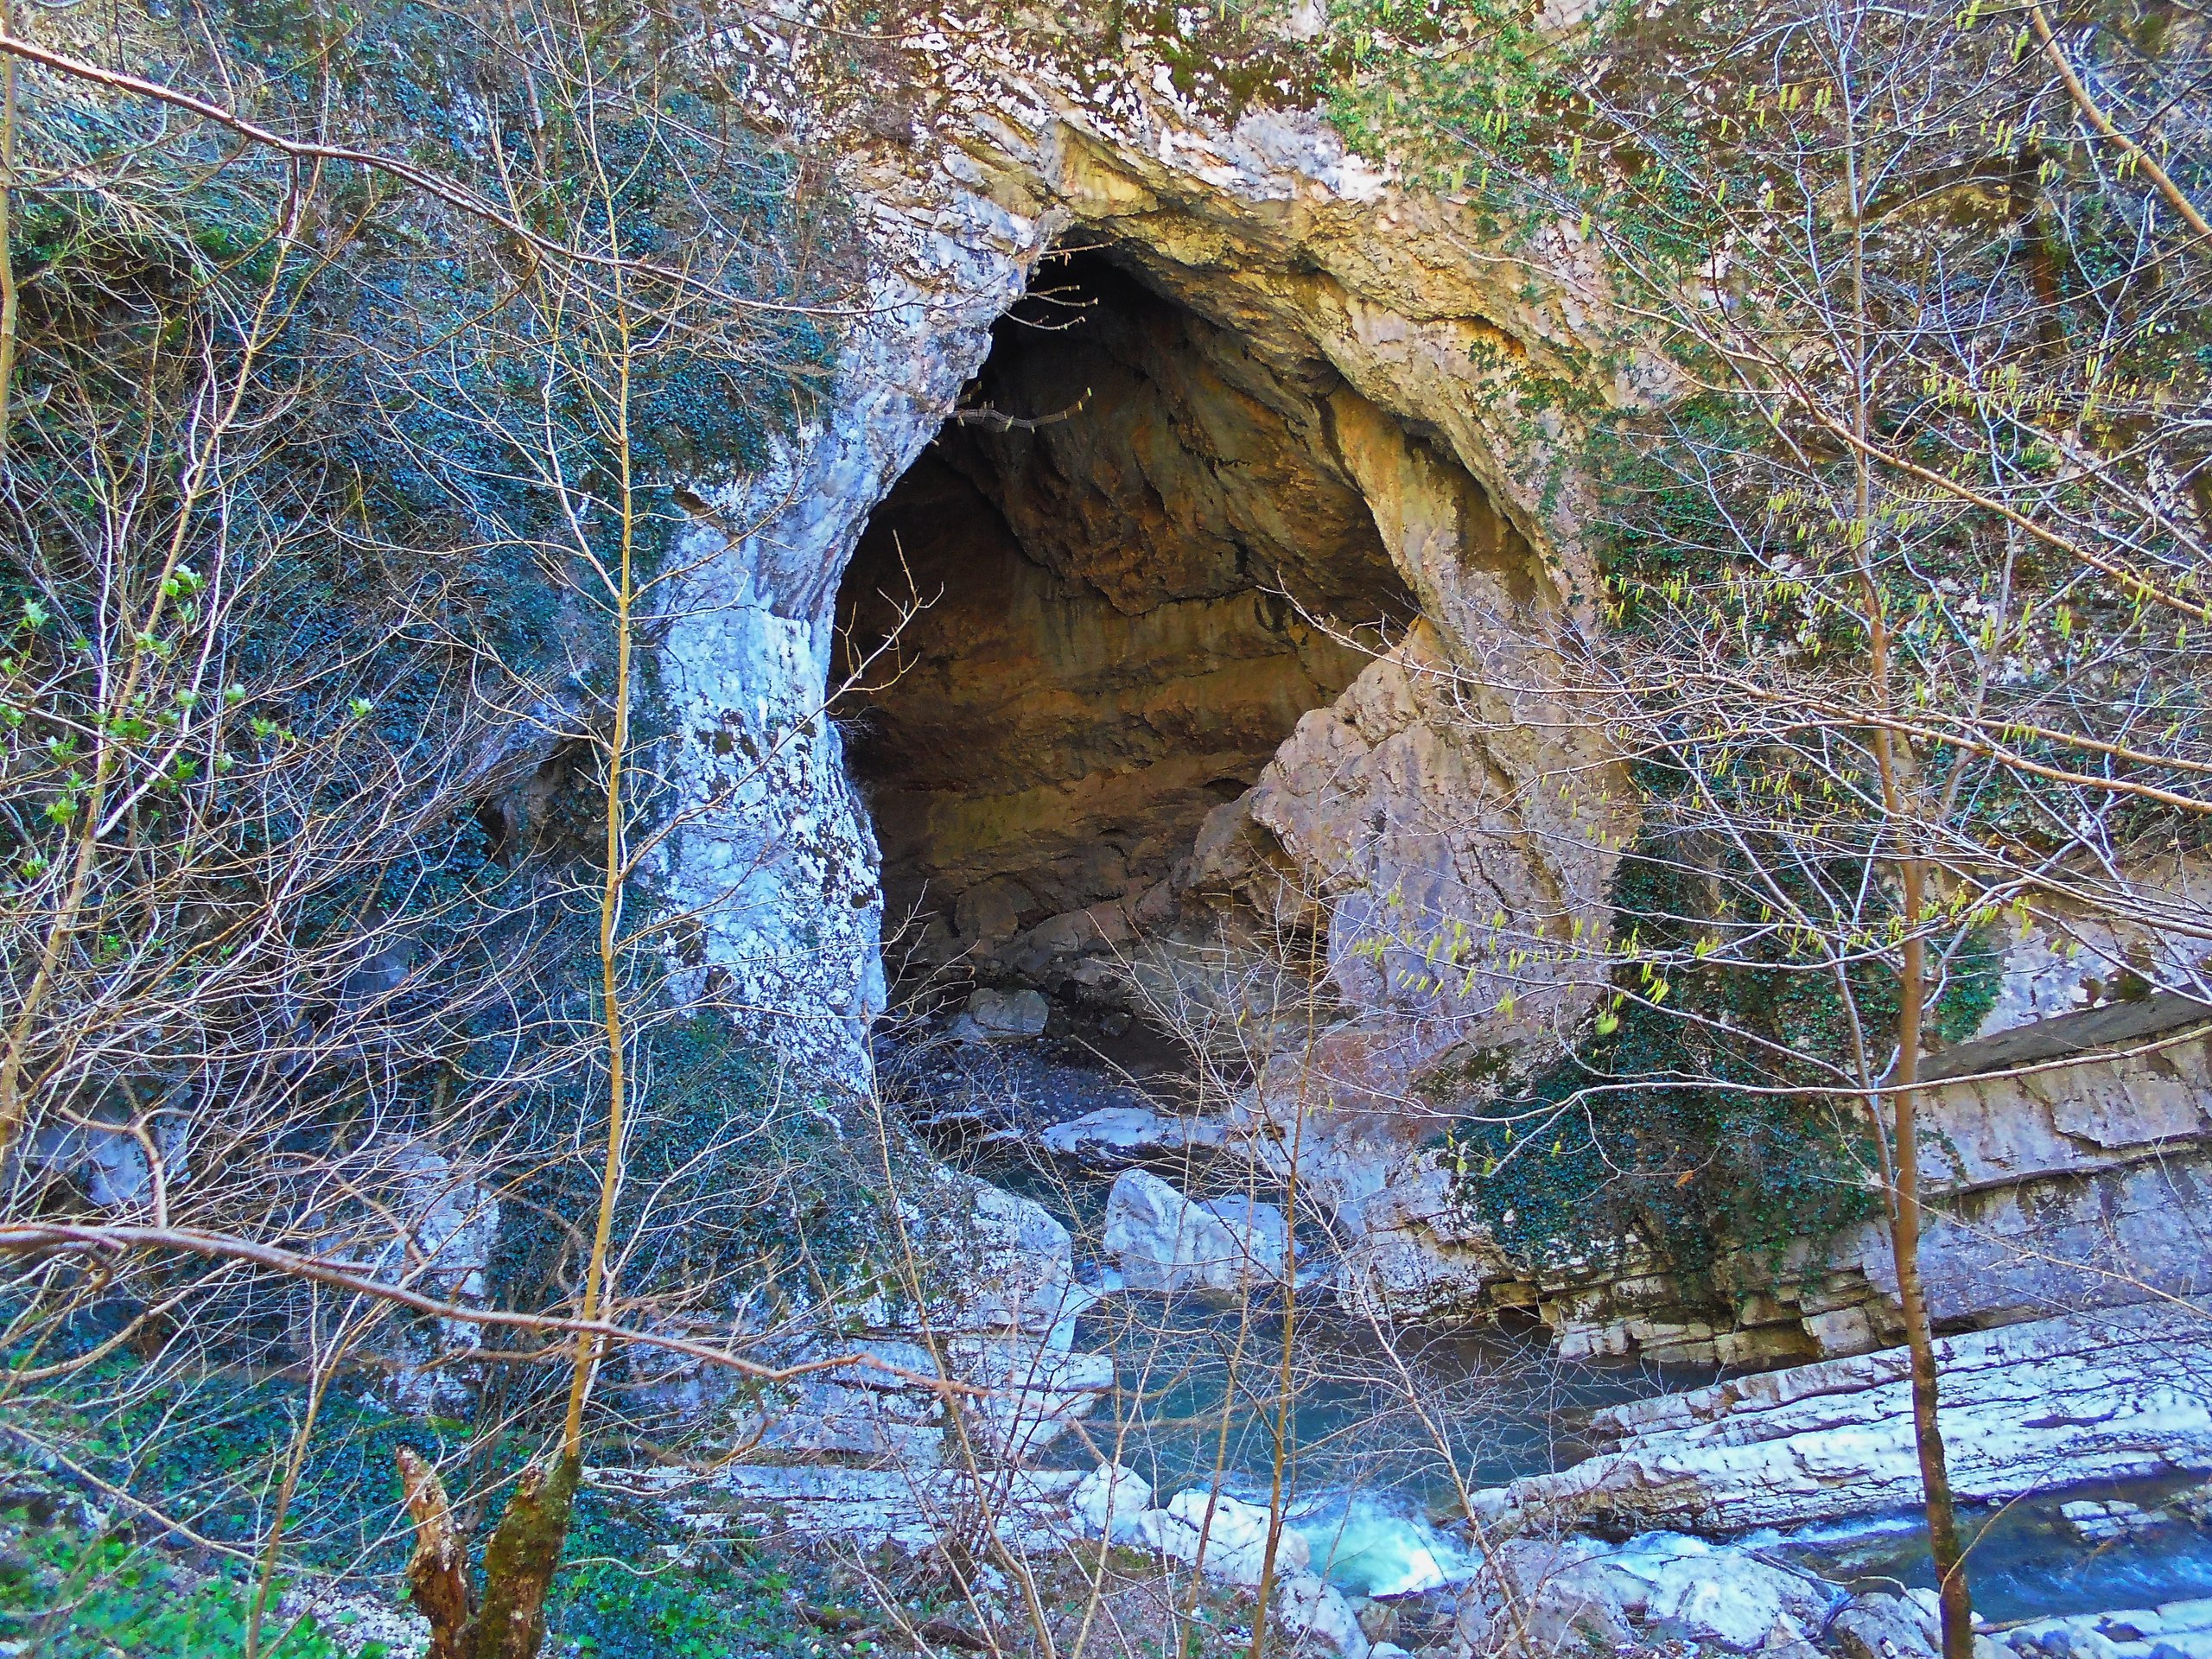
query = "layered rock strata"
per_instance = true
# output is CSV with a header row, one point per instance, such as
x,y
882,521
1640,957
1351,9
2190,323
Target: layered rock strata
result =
x,y
2066,1167
2067,1161
2119,1395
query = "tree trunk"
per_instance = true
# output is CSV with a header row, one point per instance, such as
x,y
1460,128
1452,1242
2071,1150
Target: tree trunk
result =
x,y
518,1563
520,1560
1904,1246
437,1573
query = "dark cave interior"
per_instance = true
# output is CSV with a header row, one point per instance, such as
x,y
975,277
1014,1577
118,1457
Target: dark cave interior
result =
x,y
1102,598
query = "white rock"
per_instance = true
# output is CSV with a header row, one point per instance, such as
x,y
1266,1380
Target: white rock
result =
x,y
1116,1136
1307,1605
1263,1223
2117,1393
907,1507
1165,1240
1886,1627
1574,1591
1739,1609
2100,1522
1235,1538
815,1416
2181,1627
1107,1502
1038,1393
1017,1265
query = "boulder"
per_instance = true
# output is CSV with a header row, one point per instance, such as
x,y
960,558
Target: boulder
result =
x,y
1165,1240
1037,1392
813,1417
1538,1596
1305,1605
1886,1627
1107,1502
1001,1017
1015,1265
1234,1538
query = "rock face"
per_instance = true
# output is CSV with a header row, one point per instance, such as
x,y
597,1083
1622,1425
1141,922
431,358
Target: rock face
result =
x,y
1301,411
2077,1182
997,1326
1238,494
2115,1395
1115,634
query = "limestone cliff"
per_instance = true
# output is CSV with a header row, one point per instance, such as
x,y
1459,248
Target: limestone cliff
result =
x,y
1293,410
1193,523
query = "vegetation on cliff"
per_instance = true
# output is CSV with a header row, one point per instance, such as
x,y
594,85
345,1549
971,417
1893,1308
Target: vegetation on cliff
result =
x,y
368,376
362,368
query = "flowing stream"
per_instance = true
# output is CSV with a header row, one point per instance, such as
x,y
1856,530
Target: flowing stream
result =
x,y
2024,1560
1373,1440
1381,1428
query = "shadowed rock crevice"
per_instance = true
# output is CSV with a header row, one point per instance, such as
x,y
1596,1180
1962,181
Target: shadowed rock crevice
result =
x,y
1126,609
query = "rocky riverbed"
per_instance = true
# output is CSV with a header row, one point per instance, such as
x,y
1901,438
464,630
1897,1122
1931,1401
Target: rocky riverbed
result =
x,y
1768,1510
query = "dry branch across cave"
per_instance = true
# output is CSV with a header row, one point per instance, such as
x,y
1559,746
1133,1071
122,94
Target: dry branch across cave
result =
x,y
1125,609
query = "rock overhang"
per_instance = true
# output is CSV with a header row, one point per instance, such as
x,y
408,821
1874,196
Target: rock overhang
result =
x,y
1356,293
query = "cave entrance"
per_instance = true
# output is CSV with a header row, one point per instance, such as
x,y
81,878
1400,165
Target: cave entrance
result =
x,y
1118,543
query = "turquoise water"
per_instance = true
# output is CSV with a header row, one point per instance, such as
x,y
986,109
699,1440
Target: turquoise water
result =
x,y
1415,1415
2022,1562
1381,1437
1378,1545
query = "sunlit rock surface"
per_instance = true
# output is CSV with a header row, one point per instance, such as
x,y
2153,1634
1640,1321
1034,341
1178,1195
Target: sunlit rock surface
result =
x,y
1165,1240
2120,1394
1309,405
1250,580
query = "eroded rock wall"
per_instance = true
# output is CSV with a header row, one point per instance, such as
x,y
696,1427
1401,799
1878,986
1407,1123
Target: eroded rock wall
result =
x,y
1317,387
1081,637
1315,300
2075,1179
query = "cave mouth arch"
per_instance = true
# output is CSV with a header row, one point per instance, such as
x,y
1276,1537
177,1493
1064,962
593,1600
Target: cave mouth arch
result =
x,y
1110,586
